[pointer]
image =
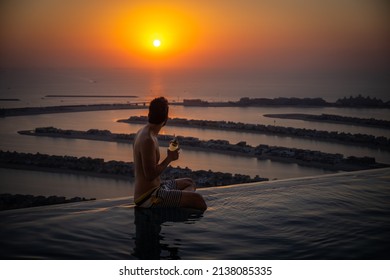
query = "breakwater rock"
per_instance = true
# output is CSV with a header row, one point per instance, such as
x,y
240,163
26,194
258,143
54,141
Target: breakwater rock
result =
x,y
118,169
334,119
300,156
378,142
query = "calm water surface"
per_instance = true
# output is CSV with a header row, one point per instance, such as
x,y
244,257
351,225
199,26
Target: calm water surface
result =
x,y
68,185
196,160
107,120
329,217
31,87
344,217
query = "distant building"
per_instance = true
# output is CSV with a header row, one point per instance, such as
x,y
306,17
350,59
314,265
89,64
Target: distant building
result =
x,y
195,102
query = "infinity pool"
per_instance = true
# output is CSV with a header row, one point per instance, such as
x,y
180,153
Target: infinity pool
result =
x,y
339,216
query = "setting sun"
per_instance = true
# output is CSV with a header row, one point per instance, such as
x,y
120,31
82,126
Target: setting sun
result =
x,y
156,43
156,35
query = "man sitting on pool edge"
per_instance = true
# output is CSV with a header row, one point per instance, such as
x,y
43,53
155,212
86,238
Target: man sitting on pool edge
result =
x,y
150,190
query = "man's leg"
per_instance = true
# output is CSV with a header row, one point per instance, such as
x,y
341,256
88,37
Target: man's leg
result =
x,y
175,197
192,200
186,184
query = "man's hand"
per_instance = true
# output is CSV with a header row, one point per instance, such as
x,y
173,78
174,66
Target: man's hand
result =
x,y
173,155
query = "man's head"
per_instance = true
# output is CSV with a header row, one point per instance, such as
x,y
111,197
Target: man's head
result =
x,y
158,111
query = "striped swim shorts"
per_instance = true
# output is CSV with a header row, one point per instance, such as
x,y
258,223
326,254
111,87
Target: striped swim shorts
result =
x,y
166,195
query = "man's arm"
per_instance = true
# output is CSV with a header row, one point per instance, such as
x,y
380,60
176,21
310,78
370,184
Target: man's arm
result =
x,y
151,168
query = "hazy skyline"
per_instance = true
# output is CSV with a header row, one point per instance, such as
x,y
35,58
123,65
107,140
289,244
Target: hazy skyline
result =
x,y
275,35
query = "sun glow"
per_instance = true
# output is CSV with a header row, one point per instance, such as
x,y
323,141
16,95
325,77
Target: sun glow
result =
x,y
154,34
156,43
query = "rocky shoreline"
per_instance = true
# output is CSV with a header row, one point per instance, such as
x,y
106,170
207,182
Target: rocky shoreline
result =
x,y
114,169
334,162
378,142
328,118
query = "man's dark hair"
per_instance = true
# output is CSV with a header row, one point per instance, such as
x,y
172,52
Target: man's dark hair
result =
x,y
158,110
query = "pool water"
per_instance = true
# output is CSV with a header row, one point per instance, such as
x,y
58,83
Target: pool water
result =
x,y
338,216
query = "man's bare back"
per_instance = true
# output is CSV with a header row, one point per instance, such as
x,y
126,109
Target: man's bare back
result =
x,y
146,153
149,190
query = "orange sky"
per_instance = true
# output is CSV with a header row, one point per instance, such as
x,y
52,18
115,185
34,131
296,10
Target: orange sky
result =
x,y
241,34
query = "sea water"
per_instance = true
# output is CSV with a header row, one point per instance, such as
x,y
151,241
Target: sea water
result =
x,y
32,88
32,85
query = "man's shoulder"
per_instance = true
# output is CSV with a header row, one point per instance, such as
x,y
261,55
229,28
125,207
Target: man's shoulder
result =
x,y
141,134
145,139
